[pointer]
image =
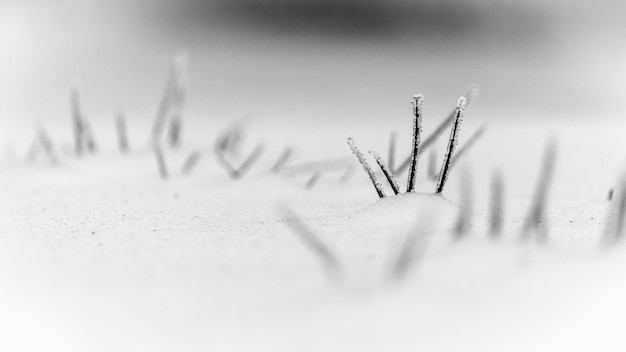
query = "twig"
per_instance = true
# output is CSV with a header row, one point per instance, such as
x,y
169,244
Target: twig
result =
x,y
471,94
496,220
174,134
454,131
614,231
319,165
313,180
282,160
386,171
173,96
367,168
160,159
88,137
417,102
191,162
122,134
236,173
475,137
329,260
77,121
536,218
46,144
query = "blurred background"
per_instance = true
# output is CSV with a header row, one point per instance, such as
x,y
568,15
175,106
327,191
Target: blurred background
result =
x,y
302,60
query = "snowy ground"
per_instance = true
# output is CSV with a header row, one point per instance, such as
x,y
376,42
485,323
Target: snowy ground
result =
x,y
98,253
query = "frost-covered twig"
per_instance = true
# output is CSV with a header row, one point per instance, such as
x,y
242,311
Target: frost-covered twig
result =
x,y
191,162
417,102
471,94
282,160
386,171
312,241
122,134
536,217
454,132
496,219
367,168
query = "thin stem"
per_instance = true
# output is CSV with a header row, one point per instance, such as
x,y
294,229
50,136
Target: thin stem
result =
x,y
312,241
388,174
391,159
536,218
122,134
496,220
367,168
432,165
77,121
160,159
417,102
471,94
454,131
313,180
191,162
236,173
171,96
282,160
464,220
475,137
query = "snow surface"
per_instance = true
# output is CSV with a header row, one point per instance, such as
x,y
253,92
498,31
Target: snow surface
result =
x,y
98,253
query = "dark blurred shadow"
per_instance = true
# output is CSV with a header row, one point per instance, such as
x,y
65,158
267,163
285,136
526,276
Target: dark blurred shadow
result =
x,y
371,20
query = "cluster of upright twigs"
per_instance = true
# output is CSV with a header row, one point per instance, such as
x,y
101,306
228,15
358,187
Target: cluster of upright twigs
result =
x,y
450,159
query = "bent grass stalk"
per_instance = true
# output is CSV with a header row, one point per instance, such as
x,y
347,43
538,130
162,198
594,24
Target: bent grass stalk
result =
x,y
386,171
367,168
